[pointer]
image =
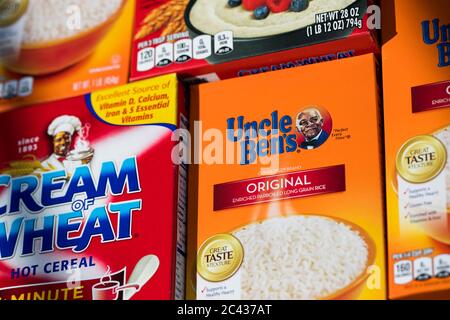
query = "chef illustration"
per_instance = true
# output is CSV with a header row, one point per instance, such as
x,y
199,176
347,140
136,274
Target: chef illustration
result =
x,y
63,129
310,123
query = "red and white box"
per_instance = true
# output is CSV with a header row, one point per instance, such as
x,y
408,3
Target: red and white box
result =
x,y
212,39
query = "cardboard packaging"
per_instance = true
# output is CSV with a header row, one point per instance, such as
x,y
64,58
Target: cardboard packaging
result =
x,y
92,201
84,46
286,199
416,76
210,39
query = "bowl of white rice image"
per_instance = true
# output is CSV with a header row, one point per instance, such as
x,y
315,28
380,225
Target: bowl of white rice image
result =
x,y
304,257
60,33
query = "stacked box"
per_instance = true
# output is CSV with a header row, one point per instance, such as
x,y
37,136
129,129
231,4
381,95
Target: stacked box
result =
x,y
416,76
92,194
214,40
286,199
59,49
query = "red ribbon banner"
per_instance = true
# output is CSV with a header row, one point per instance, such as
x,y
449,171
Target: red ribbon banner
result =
x,y
283,186
431,96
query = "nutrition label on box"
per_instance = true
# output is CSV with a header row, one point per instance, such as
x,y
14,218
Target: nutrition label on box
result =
x,y
337,20
164,54
441,265
403,272
223,42
183,50
146,59
422,269
16,88
202,47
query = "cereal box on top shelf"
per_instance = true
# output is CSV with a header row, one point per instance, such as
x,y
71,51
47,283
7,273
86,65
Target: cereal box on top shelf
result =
x,y
52,50
229,38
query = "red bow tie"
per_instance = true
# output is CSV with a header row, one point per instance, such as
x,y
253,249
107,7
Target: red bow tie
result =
x,y
61,159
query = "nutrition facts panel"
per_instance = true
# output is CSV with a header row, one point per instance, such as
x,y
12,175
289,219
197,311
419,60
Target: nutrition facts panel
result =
x,y
422,269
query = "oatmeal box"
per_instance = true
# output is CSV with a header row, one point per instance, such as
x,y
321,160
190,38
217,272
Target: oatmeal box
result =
x,y
229,38
416,70
52,50
92,199
286,197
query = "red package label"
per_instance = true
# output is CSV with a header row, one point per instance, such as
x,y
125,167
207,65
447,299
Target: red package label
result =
x,y
431,96
284,186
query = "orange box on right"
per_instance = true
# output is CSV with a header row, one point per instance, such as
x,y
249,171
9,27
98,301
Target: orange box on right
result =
x,y
416,73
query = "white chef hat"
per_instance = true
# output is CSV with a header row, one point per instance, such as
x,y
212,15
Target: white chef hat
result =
x,y
64,123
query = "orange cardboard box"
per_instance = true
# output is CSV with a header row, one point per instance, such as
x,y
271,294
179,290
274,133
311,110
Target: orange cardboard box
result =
x,y
83,47
416,73
286,201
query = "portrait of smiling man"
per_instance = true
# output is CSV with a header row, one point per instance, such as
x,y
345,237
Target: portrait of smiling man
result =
x,y
62,129
310,123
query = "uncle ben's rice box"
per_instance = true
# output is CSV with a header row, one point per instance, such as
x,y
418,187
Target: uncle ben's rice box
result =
x,y
416,70
286,200
91,197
